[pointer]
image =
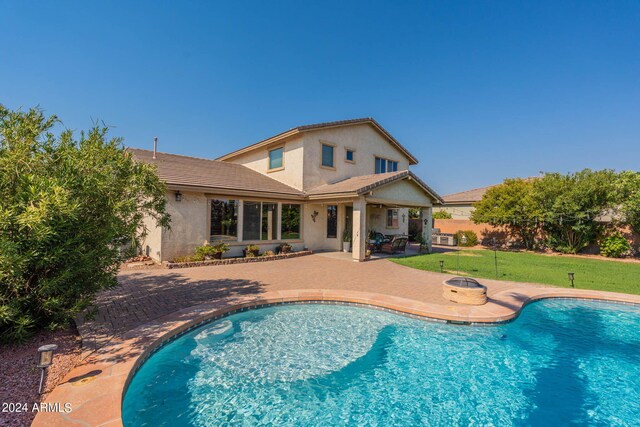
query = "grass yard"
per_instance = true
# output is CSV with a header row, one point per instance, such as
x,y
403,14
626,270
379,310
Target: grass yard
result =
x,y
528,267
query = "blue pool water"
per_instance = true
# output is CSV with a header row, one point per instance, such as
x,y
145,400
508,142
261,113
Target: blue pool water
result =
x,y
561,362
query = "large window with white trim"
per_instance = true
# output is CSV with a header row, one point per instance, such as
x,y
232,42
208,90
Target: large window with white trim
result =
x,y
269,230
260,221
224,219
291,214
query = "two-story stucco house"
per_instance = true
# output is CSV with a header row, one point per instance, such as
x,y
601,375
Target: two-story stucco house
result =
x,y
304,186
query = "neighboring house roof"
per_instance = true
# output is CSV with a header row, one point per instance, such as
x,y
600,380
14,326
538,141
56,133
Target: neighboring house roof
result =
x,y
211,174
474,195
306,128
469,196
359,185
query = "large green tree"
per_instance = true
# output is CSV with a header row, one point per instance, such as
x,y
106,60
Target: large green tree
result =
x,y
67,207
572,205
511,205
628,199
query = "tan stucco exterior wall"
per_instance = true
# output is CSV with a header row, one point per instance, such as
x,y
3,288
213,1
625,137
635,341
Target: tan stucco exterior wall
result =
x,y
315,233
303,154
403,192
377,220
302,170
152,243
291,174
364,139
189,225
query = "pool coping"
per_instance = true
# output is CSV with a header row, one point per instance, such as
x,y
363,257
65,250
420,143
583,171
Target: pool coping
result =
x,y
95,389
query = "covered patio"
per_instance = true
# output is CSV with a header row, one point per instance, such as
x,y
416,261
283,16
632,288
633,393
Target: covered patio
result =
x,y
412,249
377,203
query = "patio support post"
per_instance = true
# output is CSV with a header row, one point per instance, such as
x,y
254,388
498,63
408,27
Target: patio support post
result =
x,y
427,227
359,238
239,224
279,226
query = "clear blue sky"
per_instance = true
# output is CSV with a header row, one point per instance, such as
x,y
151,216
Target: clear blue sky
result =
x,y
477,90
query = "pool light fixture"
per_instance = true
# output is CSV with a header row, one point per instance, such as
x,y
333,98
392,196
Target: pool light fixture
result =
x,y
45,359
571,277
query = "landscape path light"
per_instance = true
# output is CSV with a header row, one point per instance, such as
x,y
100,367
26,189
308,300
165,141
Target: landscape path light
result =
x,y
45,359
571,277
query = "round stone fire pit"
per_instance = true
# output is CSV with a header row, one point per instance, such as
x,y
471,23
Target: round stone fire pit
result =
x,y
464,290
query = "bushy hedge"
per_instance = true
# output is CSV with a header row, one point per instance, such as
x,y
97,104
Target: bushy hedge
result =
x,y
563,211
67,207
441,215
614,246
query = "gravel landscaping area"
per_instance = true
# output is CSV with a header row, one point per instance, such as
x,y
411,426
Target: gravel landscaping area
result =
x,y
20,377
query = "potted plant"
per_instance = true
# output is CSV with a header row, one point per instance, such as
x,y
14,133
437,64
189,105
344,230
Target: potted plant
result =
x,y
346,240
284,248
251,251
207,251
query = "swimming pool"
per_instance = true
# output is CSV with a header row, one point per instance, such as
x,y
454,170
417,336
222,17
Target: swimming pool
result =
x,y
560,362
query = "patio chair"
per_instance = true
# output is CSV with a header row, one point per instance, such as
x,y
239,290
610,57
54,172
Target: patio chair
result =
x,y
377,239
398,244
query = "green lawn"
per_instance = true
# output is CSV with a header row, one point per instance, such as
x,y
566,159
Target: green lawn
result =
x,y
527,267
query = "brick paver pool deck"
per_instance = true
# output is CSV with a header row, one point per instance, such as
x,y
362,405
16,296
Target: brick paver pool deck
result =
x,y
151,305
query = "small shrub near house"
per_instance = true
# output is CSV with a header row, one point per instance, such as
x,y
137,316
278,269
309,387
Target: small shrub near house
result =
x,y
251,251
471,238
283,248
208,251
615,246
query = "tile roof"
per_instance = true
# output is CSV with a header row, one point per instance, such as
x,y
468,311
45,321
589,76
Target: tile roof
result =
x,y
364,120
211,174
474,195
361,184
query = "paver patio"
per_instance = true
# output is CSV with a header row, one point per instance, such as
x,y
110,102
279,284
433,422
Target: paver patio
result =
x,y
145,295
152,305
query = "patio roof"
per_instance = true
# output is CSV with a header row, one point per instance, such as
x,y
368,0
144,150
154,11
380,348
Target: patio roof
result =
x,y
359,185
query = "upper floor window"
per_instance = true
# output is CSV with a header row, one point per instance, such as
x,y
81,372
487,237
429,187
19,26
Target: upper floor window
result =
x,y
275,158
384,165
350,155
328,156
